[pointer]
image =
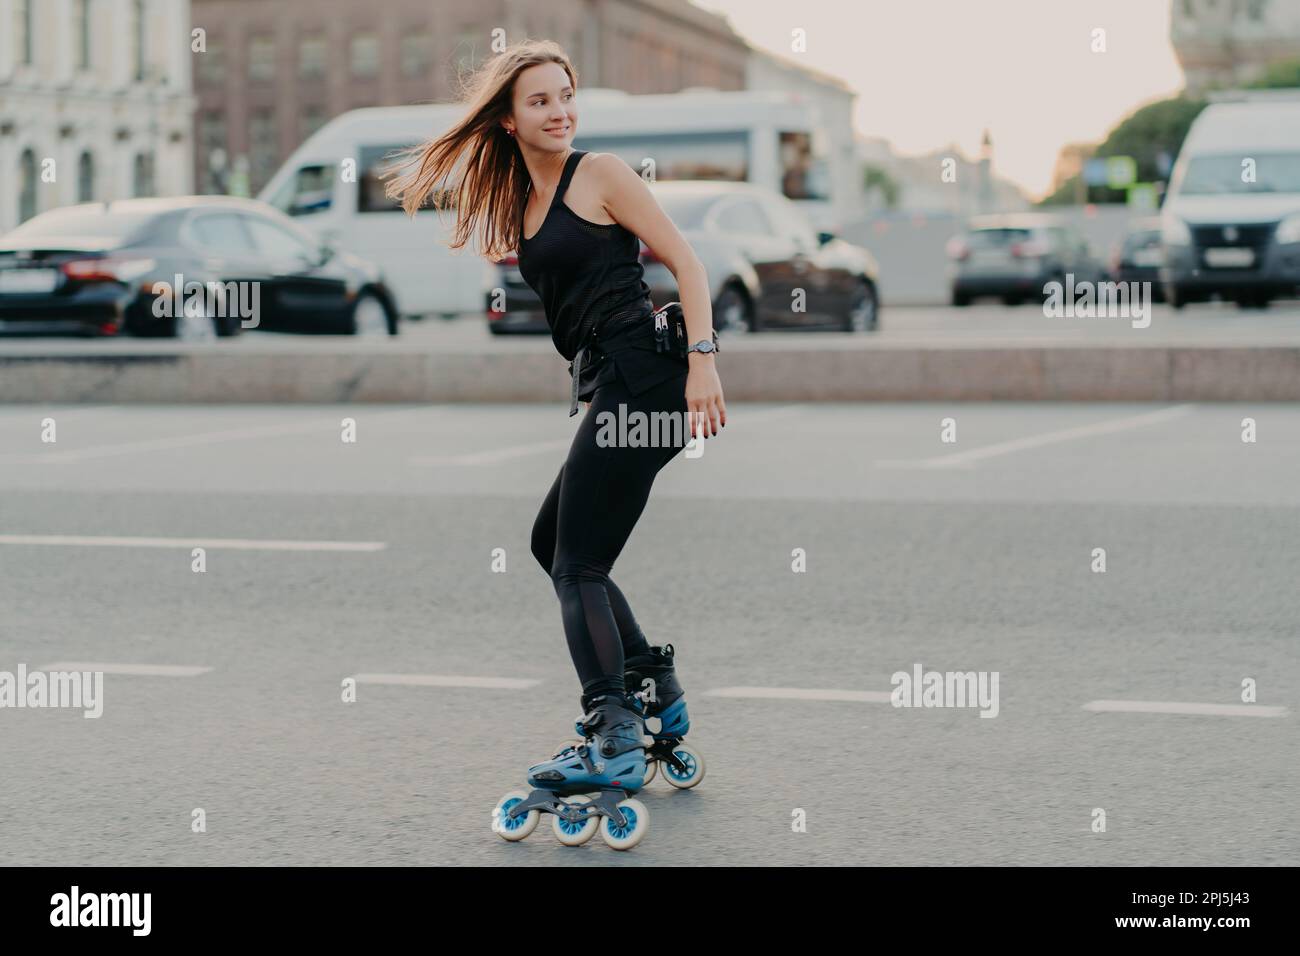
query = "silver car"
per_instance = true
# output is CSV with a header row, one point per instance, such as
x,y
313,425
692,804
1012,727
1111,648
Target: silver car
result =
x,y
1014,256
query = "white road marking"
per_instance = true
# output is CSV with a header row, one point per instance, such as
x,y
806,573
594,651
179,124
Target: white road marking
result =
x,y
234,544
447,680
1177,707
802,693
142,670
965,458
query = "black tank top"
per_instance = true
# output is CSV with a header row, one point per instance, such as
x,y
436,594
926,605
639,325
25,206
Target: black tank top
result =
x,y
592,286
583,271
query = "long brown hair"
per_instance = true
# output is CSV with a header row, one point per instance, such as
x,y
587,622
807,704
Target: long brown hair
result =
x,y
492,187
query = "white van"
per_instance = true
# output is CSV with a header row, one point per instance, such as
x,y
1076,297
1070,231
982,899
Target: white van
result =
x,y
772,138
1230,223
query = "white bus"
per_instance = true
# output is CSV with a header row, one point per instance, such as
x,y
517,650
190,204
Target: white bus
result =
x,y
771,138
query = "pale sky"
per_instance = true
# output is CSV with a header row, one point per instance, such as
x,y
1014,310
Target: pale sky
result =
x,y
930,73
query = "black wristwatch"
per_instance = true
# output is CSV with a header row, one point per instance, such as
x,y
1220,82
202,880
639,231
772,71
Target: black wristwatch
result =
x,y
703,345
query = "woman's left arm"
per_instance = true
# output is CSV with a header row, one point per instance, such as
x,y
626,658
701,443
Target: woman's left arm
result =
x,y
629,202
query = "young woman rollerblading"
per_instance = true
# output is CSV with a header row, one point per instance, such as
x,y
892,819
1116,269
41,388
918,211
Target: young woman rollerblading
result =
x,y
576,220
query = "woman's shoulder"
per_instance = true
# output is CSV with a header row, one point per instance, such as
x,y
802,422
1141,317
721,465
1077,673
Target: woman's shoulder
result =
x,y
603,163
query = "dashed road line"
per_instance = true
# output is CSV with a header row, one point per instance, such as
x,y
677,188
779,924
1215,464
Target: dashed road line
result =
x,y
1180,707
966,458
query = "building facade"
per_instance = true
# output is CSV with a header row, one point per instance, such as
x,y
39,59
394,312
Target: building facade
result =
x,y
1227,43
273,73
95,102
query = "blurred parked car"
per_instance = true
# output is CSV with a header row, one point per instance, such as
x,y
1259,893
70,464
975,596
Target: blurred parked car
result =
x,y
1138,255
1014,256
757,248
92,269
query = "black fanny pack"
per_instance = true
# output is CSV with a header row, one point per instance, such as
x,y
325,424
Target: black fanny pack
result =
x,y
670,331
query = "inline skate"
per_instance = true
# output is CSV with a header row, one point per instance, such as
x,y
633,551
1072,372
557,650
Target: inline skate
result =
x,y
610,762
652,675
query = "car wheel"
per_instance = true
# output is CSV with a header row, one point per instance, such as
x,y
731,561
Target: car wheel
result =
x,y
370,318
960,299
732,312
864,309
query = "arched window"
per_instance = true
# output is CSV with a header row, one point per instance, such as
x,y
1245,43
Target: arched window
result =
x,y
143,184
86,178
26,185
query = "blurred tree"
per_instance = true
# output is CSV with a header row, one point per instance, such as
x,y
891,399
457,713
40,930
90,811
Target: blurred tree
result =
x,y
1154,129
1278,76
877,178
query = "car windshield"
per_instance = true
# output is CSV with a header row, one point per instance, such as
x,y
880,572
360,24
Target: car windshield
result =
x,y
686,212
1242,172
91,223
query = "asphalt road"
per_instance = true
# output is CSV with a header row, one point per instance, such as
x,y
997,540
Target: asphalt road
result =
x,y
968,556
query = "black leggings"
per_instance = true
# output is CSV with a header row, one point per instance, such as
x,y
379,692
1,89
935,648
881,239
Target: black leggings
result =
x,y
586,519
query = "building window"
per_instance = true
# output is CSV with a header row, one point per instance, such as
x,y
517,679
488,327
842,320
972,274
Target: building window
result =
x,y
311,56
365,54
313,118
263,151
138,38
86,178
23,32
212,152
261,58
212,64
26,186
416,53
81,30
142,182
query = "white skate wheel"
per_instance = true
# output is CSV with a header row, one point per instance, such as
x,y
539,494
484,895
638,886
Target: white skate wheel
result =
x,y
651,768
571,834
694,772
518,828
624,838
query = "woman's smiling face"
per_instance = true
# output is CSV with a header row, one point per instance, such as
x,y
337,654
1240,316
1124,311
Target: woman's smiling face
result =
x,y
545,108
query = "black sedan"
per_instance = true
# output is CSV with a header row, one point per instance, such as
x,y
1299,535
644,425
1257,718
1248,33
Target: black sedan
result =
x,y
767,267
190,267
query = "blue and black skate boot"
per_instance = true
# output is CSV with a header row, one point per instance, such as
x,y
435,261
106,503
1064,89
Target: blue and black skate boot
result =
x,y
609,762
652,676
